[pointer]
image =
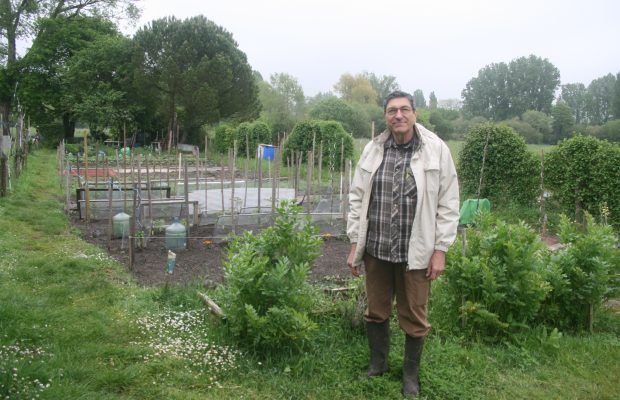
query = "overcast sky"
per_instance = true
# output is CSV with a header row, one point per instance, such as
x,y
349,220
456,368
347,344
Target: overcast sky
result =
x,y
433,45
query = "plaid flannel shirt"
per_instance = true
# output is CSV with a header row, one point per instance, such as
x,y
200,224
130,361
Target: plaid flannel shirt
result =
x,y
393,203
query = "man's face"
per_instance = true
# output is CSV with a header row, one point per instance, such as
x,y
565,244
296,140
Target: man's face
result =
x,y
400,117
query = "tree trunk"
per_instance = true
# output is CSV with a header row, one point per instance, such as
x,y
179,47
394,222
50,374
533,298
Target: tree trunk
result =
x,y
68,124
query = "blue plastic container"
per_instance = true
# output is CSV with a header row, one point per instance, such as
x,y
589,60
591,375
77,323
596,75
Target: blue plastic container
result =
x,y
269,151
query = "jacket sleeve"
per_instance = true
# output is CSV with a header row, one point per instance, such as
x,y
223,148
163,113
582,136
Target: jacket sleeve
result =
x,y
448,202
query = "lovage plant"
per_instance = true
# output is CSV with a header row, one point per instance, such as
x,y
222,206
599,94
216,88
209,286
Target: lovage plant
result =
x,y
266,296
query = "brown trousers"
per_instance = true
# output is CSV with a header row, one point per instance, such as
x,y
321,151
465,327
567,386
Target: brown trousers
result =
x,y
386,280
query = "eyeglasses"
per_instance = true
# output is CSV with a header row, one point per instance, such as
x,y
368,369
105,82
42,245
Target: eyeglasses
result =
x,y
392,111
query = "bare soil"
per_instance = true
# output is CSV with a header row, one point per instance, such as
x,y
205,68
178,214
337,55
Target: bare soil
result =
x,y
200,262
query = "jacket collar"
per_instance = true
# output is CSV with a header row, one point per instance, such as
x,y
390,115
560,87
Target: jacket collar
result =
x,y
385,135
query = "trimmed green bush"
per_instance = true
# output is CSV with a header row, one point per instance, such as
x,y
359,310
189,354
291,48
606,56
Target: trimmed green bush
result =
x,y
583,173
330,133
511,173
224,138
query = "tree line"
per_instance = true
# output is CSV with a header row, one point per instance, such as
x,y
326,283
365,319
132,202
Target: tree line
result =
x,y
177,80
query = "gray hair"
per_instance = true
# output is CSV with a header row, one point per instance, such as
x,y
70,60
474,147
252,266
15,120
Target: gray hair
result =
x,y
397,94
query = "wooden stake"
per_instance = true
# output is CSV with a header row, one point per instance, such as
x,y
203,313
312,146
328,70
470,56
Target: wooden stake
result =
x,y
187,230
86,191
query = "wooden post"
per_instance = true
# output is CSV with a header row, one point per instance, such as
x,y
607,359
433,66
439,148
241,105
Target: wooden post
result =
x,y
319,175
259,170
232,154
97,166
309,178
132,228
125,169
345,207
222,183
247,167
206,175
110,193
68,187
187,230
274,183
86,191
149,192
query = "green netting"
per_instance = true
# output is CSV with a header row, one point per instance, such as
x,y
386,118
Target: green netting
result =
x,y
470,207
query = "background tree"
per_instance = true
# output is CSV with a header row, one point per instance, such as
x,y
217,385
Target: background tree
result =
x,y
383,85
511,171
197,73
43,87
540,122
288,87
442,120
485,95
615,104
562,123
353,119
283,102
356,89
432,101
575,96
100,87
17,20
502,91
532,84
599,99
418,99
610,131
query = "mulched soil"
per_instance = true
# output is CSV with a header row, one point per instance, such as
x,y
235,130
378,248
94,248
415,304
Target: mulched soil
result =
x,y
201,262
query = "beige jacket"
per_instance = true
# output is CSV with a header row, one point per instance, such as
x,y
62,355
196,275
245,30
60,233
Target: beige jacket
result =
x,y
437,212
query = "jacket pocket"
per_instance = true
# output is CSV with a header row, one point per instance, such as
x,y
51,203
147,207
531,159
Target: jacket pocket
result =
x,y
431,176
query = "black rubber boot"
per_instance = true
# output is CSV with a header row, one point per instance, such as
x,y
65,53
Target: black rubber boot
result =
x,y
379,344
411,365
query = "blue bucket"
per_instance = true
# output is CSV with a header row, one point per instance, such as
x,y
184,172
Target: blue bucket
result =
x,y
269,151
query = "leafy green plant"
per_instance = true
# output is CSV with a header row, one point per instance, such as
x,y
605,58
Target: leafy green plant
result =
x,y
579,274
510,174
266,296
496,281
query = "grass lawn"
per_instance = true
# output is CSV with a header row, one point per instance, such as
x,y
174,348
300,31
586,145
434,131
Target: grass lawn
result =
x,y
74,324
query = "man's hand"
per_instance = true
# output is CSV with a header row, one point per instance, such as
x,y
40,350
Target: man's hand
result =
x,y
355,269
436,265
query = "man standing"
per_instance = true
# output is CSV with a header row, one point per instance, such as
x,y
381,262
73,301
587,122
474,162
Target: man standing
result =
x,y
404,212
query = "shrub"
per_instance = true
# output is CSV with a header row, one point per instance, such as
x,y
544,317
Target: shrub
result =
x,y
583,173
528,132
579,274
331,133
610,131
266,296
496,282
224,138
511,173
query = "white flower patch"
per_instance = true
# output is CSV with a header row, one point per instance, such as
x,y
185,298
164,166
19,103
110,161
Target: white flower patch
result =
x,y
19,385
183,335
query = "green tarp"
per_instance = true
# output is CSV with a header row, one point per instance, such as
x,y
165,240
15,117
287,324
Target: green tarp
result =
x,y
470,207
